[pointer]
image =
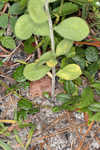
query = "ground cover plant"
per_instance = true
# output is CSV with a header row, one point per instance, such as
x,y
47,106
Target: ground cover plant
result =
x,y
61,44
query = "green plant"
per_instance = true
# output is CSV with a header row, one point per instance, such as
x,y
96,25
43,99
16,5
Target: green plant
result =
x,y
71,29
25,107
5,146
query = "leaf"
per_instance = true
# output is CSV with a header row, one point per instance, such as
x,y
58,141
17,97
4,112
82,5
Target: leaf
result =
x,y
5,146
30,134
93,68
63,97
64,47
91,54
96,85
18,74
36,11
46,95
69,72
12,22
69,87
56,109
34,72
26,23
47,57
95,107
8,42
79,61
28,47
24,27
67,9
73,28
4,21
18,139
25,104
51,63
15,9
95,117
41,29
71,53
2,32
87,97
37,88
21,115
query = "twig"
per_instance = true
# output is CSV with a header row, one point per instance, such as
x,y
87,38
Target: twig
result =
x,y
5,76
51,135
9,56
4,56
83,138
5,96
52,47
3,49
4,9
97,44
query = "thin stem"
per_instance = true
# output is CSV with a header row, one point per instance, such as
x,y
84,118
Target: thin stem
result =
x,y
52,46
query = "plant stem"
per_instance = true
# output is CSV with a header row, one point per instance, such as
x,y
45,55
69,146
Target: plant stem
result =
x,y
52,46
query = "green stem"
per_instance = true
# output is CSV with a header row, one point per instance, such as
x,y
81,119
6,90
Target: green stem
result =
x,y
52,47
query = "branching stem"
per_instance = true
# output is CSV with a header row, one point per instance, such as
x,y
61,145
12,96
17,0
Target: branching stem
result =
x,y
52,46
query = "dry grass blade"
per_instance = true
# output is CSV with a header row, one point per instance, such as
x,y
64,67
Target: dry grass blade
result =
x,y
8,121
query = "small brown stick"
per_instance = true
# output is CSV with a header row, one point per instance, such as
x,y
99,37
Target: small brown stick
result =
x,y
86,147
56,121
4,50
16,64
51,135
4,56
82,141
29,57
5,76
9,56
5,96
48,146
4,9
88,43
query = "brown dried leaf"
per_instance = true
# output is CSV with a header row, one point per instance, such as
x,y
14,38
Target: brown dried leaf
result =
x,y
38,87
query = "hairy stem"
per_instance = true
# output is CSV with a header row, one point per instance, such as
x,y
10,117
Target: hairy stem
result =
x,y
52,46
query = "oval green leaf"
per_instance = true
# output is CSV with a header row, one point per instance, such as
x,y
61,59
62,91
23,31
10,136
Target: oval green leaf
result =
x,y
36,11
5,146
41,29
70,72
66,9
73,28
47,57
24,27
64,47
8,42
95,117
34,72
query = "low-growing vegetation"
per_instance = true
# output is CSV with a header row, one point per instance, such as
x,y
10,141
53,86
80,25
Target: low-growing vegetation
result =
x,y
61,43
